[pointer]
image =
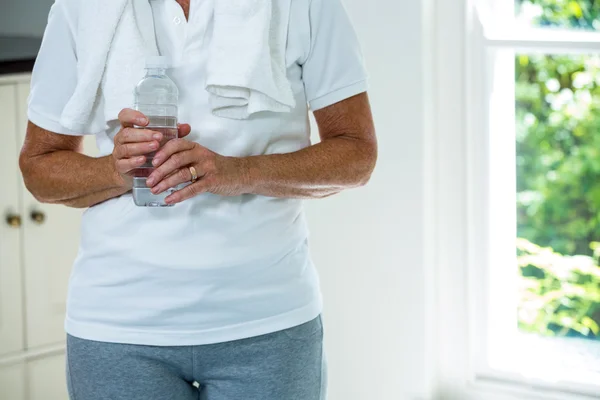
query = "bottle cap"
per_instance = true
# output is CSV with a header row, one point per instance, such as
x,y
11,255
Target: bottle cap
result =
x,y
157,62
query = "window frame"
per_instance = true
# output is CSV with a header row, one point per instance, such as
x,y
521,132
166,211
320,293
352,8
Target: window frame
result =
x,y
466,56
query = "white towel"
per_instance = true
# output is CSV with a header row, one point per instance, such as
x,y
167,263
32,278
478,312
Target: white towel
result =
x,y
247,71
111,51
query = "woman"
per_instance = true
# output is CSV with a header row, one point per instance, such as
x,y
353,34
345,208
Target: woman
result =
x,y
216,297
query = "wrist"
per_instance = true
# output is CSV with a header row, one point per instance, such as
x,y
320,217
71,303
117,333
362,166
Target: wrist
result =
x,y
117,181
248,173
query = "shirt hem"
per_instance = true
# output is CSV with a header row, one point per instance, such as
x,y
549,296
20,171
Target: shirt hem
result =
x,y
49,124
151,337
338,95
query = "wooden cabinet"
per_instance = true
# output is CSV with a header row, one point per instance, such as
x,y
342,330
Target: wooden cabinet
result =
x,y
38,244
47,378
50,243
12,382
11,295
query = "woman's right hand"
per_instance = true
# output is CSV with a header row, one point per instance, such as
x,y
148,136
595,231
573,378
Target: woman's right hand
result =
x,y
133,144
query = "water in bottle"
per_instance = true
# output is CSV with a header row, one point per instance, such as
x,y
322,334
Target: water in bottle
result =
x,y
156,96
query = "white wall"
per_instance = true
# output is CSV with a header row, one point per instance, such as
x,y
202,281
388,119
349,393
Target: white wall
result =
x,y
368,244
31,17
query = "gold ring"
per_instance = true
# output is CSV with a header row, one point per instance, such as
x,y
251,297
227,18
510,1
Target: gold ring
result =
x,y
194,174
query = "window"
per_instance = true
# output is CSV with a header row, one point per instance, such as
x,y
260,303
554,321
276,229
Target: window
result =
x,y
537,145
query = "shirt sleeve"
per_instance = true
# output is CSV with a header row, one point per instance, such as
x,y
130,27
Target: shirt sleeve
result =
x,y
54,75
334,69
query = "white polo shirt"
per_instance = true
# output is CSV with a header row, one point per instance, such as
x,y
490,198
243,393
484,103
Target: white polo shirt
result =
x,y
211,269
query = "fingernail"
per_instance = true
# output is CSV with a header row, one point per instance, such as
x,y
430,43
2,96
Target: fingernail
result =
x,y
140,159
142,120
154,145
150,182
157,136
155,161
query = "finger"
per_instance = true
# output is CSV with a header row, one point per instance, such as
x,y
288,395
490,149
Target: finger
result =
x,y
133,135
182,175
129,150
129,118
125,165
176,162
172,147
184,130
187,192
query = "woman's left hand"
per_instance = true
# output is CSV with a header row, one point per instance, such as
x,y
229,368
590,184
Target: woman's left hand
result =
x,y
217,174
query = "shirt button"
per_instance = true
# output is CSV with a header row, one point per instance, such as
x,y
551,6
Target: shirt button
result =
x,y
176,20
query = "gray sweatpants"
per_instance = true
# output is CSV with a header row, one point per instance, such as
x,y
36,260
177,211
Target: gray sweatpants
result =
x,y
285,365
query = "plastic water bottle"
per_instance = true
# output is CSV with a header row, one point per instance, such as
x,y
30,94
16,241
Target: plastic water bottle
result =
x,y
156,96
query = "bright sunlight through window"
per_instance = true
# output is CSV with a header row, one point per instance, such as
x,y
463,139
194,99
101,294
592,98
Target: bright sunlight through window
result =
x,y
543,60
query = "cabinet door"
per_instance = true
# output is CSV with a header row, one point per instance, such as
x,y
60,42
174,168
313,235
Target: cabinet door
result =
x,y
47,379
50,244
12,382
11,307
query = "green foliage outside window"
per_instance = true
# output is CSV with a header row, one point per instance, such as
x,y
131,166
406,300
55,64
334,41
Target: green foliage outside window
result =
x,y
577,14
559,295
558,167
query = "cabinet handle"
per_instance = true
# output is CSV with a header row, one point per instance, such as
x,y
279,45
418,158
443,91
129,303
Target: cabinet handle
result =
x,y
38,217
14,220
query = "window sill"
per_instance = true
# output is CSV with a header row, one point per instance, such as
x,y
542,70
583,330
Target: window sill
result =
x,y
489,389
516,377
547,364
552,359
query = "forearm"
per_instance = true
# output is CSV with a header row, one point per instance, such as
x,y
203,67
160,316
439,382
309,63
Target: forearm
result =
x,y
71,178
318,171
92,199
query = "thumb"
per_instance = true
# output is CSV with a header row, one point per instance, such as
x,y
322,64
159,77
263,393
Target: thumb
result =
x,y
183,130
